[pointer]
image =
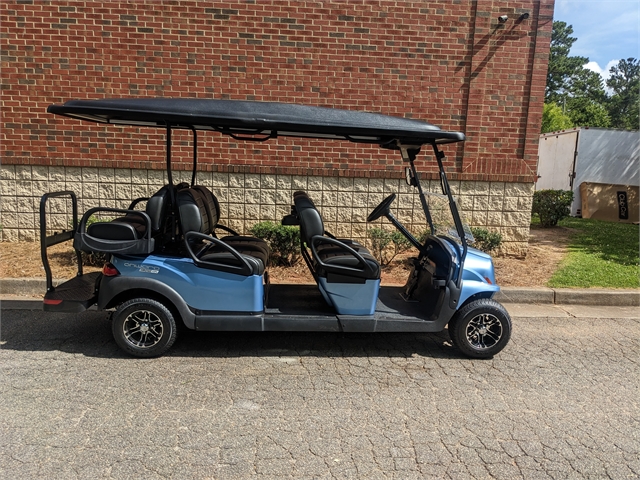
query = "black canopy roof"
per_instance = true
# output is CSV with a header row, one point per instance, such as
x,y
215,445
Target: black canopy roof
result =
x,y
246,118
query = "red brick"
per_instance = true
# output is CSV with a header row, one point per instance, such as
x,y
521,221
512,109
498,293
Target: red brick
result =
x,y
446,63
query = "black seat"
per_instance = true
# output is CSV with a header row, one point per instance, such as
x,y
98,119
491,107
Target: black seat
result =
x,y
306,201
137,232
212,209
198,219
330,257
132,226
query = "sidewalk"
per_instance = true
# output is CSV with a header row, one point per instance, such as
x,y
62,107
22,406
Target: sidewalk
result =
x,y
26,294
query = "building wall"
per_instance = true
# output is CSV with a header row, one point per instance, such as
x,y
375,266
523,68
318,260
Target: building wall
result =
x,y
450,63
246,199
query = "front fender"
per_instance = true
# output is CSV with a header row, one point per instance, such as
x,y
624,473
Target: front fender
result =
x,y
478,276
112,289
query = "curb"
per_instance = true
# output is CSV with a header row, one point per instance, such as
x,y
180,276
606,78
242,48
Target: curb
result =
x,y
570,296
14,290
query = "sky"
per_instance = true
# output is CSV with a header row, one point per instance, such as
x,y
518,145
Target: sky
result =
x,y
607,30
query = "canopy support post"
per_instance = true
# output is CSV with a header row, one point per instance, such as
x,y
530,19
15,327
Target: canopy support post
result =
x,y
195,155
409,154
454,211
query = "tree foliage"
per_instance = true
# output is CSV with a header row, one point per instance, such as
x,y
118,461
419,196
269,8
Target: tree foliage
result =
x,y
554,119
579,93
585,112
562,68
624,104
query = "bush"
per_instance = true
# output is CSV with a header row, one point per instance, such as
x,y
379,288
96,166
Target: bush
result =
x,y
551,206
284,241
485,240
386,245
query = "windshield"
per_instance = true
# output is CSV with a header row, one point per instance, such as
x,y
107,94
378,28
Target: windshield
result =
x,y
443,223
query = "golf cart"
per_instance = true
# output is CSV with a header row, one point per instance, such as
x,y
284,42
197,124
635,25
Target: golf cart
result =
x,y
169,264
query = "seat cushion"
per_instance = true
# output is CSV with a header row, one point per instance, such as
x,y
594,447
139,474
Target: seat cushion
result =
x,y
225,258
129,227
248,243
339,259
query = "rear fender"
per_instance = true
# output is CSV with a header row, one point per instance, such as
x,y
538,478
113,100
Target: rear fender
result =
x,y
115,290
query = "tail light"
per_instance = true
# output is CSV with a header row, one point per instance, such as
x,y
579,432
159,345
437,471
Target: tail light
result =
x,y
109,270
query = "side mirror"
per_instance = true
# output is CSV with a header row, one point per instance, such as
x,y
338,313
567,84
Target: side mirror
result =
x,y
409,178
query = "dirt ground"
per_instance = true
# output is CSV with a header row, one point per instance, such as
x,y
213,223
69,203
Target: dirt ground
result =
x,y
547,247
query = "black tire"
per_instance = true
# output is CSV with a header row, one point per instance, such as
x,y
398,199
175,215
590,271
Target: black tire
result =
x,y
480,329
143,327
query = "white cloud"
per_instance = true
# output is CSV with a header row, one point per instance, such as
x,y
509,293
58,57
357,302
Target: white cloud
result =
x,y
604,72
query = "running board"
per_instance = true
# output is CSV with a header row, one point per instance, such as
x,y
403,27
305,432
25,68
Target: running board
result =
x,y
73,296
314,323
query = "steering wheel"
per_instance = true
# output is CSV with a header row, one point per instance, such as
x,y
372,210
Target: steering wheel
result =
x,y
382,209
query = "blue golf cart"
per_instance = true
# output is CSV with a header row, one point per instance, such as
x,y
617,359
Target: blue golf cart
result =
x,y
172,262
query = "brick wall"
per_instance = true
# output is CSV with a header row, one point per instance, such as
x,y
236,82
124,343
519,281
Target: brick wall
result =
x,y
450,63
447,62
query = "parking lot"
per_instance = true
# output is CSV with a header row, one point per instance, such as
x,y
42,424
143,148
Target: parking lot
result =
x,y
561,401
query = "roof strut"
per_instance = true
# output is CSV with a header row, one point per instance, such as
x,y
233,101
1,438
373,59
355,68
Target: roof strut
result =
x,y
172,193
409,154
454,212
195,155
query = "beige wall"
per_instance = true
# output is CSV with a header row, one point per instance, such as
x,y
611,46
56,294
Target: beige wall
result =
x,y
246,199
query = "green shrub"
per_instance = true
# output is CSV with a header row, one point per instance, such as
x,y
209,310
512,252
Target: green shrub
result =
x,y
551,206
385,245
485,240
284,241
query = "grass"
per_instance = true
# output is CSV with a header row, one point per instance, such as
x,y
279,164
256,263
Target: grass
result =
x,y
601,254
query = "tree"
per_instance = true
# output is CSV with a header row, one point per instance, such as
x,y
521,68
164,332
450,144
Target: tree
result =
x,y
624,104
585,112
553,119
562,67
579,91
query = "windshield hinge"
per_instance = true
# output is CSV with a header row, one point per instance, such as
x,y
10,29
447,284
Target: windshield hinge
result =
x,y
409,152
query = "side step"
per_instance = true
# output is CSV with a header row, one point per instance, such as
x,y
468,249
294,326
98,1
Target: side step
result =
x,y
75,295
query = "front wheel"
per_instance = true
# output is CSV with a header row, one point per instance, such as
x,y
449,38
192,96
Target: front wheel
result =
x,y
143,327
481,328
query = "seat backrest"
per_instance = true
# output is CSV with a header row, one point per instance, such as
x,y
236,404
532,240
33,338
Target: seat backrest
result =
x,y
159,204
157,207
211,206
310,219
192,211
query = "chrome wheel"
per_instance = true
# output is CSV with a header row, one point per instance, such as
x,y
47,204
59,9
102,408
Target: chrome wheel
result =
x,y
484,331
142,329
481,328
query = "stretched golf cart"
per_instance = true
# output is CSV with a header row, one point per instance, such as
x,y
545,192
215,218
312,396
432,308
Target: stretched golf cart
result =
x,y
171,261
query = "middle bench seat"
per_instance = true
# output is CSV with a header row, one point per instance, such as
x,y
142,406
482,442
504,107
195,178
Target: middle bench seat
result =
x,y
199,212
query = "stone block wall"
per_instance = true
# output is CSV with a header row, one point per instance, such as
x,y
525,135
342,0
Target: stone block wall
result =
x,y
248,198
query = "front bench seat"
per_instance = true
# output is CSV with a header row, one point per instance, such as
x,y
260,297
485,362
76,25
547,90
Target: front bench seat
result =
x,y
324,247
347,278
331,258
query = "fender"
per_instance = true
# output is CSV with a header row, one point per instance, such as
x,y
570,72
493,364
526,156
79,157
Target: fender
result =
x,y
112,287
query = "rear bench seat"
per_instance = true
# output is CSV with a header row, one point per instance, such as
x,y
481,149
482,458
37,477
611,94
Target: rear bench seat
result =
x,y
135,233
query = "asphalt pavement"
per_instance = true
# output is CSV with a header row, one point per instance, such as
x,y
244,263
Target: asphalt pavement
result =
x,y
561,401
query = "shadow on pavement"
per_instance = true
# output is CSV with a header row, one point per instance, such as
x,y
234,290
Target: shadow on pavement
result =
x,y
89,333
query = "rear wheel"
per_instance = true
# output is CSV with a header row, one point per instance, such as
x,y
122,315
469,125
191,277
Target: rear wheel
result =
x,y
481,328
144,327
